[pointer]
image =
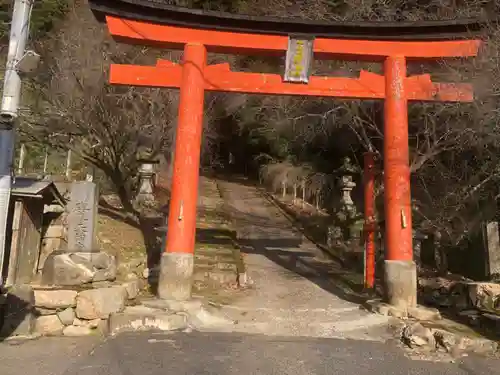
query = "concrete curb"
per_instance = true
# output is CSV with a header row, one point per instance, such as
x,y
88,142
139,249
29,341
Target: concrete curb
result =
x,y
166,315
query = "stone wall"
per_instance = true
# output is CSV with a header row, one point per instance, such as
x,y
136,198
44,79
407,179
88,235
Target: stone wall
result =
x,y
475,302
71,313
49,311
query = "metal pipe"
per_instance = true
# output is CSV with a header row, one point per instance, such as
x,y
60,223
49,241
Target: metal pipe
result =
x,y
9,111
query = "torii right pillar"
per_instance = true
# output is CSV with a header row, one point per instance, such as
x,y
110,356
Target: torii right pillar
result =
x,y
400,269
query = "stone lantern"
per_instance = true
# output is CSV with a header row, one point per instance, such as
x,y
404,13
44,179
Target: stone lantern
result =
x,y
346,184
147,170
341,232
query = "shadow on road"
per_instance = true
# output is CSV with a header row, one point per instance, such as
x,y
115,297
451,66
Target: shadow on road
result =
x,y
17,312
327,276
273,236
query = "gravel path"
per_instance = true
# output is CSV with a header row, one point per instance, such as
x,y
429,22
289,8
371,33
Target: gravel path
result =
x,y
296,291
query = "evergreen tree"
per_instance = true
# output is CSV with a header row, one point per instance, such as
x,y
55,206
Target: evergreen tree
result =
x,y
45,14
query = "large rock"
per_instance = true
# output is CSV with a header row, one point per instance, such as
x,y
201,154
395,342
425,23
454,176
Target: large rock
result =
x,y
485,296
49,325
104,264
416,335
100,260
132,286
55,299
63,269
100,303
19,316
106,274
76,268
67,316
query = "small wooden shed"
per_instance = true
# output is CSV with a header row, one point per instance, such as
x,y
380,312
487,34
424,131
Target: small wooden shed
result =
x,y
29,196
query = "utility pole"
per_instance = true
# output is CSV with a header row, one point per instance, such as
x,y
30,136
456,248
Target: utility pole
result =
x,y
9,110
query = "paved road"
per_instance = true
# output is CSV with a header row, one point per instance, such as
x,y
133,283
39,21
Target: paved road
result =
x,y
149,353
47,356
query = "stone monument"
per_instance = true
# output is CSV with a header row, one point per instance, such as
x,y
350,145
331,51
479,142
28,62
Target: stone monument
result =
x,y
82,262
82,216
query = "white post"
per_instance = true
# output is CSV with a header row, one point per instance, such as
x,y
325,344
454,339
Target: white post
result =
x,y
303,193
284,188
68,165
46,161
294,193
22,156
19,31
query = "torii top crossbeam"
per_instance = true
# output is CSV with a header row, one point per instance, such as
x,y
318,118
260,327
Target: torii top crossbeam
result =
x,y
220,78
193,77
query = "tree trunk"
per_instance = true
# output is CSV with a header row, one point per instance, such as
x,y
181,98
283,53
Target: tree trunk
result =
x,y
122,192
440,256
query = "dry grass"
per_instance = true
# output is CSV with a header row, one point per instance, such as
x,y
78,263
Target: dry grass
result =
x,y
119,238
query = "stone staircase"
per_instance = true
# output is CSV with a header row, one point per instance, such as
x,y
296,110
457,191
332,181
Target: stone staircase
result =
x,y
217,257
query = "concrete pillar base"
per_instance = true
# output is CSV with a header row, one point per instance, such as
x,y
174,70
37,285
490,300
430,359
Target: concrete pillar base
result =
x,y
401,283
176,276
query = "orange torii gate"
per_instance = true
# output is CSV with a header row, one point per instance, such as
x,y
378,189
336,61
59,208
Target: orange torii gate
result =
x,y
194,76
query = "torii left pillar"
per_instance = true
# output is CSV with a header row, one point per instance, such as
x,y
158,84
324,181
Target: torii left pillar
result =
x,y
400,269
177,262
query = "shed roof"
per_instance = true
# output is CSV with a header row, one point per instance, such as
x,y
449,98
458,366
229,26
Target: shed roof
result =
x,y
36,188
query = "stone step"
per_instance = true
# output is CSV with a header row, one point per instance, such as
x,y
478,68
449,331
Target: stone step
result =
x,y
212,223
215,266
215,276
214,258
365,327
213,262
211,243
307,314
219,251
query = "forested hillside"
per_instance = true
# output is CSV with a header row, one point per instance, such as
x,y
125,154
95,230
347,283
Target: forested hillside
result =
x,y
454,148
